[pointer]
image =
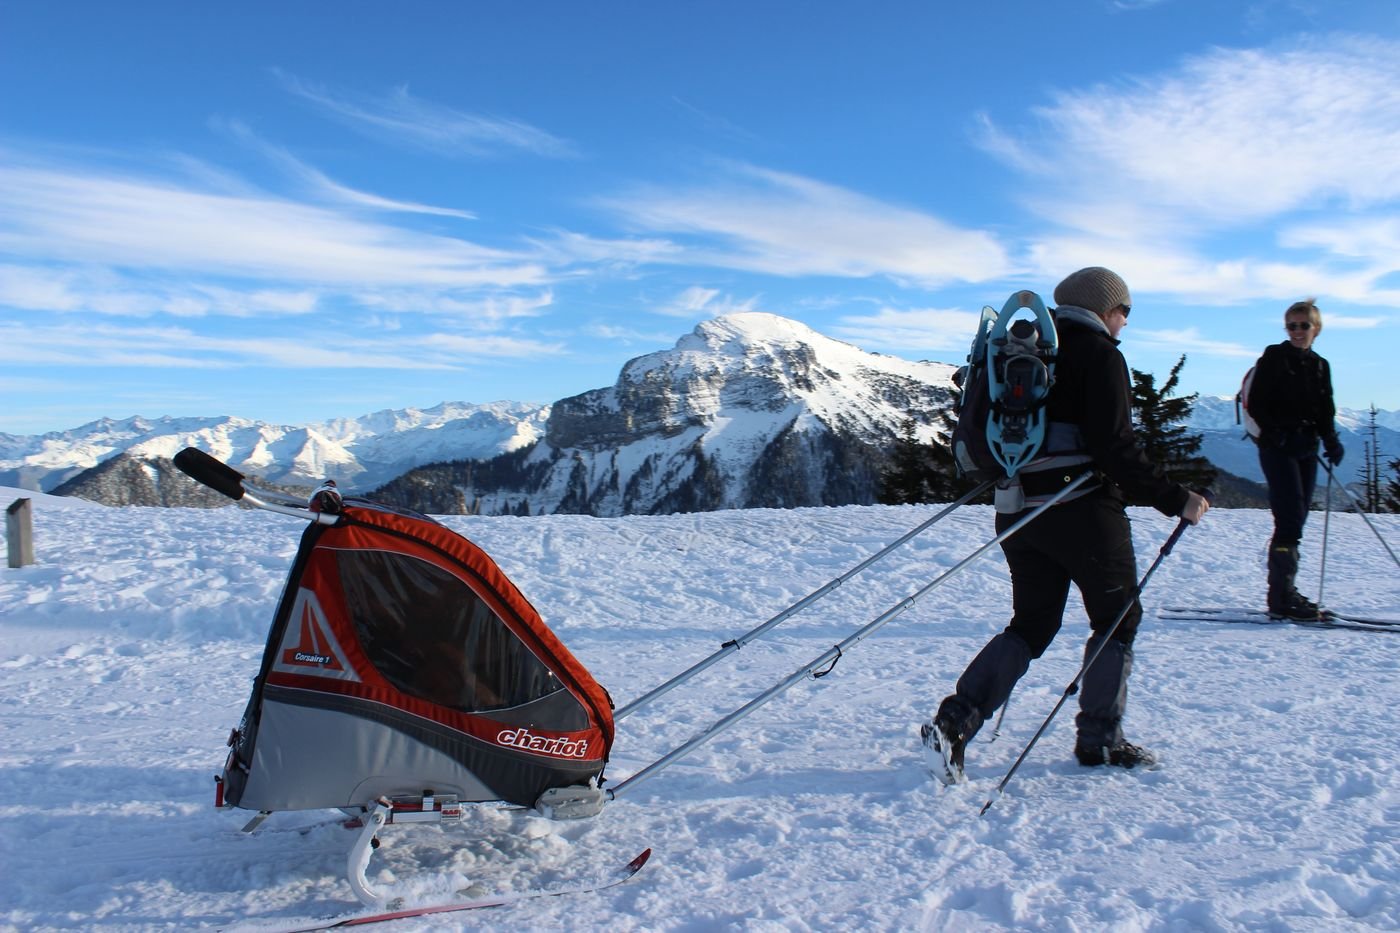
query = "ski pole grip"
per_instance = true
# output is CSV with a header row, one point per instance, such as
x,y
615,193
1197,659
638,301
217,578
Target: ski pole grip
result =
x,y
210,471
1181,526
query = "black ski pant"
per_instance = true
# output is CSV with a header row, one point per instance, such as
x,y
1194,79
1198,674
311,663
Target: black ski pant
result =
x,y
1087,542
1290,469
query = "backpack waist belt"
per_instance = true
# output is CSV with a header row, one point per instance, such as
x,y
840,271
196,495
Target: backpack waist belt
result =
x,y
1045,483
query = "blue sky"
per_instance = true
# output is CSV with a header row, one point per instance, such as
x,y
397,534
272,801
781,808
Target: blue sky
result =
x,y
299,211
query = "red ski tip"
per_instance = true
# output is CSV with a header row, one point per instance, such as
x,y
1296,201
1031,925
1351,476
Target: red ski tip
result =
x,y
636,864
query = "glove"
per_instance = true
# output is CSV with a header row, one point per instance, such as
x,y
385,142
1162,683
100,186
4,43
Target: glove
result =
x,y
1333,450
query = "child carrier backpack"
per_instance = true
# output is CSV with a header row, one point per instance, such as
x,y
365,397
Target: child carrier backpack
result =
x,y
1009,371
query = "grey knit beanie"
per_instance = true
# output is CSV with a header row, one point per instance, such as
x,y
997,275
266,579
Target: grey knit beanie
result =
x,y
1094,289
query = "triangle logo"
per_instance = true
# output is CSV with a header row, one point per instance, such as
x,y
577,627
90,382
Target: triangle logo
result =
x,y
309,646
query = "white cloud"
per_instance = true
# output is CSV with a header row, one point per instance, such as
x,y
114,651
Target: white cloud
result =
x,y
81,216
399,118
696,301
101,291
1352,322
913,331
1233,136
321,184
483,311
1240,175
1190,340
173,347
783,224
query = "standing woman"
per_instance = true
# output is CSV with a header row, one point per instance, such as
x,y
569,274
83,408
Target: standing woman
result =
x,y
1291,399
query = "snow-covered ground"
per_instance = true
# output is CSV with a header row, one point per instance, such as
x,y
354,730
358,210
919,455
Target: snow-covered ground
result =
x,y
127,652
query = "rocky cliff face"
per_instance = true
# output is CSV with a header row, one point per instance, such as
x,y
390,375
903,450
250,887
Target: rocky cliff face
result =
x,y
152,481
749,410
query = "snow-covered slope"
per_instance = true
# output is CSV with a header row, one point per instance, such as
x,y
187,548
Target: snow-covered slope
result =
x,y
128,650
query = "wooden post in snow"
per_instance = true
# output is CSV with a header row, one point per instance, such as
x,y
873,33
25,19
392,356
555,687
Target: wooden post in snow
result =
x,y
19,532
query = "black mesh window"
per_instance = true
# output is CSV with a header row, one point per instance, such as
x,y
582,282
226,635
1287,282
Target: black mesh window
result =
x,y
433,638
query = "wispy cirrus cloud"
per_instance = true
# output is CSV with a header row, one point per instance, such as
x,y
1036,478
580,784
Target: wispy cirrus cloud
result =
x,y
1191,340
321,184
84,215
102,291
1287,151
705,302
913,330
1231,137
399,118
175,347
758,220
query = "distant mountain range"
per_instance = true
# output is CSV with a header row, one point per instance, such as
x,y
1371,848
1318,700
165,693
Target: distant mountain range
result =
x,y
748,410
358,453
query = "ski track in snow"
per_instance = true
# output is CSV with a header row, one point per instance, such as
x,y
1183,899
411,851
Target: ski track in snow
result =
x,y
127,653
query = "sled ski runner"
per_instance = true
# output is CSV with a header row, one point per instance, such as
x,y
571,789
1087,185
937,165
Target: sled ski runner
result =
x,y
615,877
1327,619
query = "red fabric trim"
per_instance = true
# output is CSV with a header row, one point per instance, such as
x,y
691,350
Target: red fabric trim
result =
x,y
483,727
368,528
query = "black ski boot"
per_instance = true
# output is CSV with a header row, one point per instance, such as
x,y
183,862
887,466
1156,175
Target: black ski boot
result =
x,y
1297,608
1121,755
1285,602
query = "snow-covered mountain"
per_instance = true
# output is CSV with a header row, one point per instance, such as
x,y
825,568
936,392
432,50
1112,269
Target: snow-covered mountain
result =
x,y
1225,445
749,410
359,453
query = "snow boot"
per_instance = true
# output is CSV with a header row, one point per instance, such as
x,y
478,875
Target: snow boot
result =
x,y
1103,694
945,738
1120,755
1285,602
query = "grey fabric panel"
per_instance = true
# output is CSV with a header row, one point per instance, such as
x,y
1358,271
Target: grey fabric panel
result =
x,y
309,758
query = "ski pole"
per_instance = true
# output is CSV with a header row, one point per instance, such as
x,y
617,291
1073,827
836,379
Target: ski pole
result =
x,y
1322,564
996,730
1073,687
834,653
1360,510
730,647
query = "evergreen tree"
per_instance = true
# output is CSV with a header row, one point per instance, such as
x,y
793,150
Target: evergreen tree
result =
x,y
1371,466
945,483
1161,426
1392,489
919,472
905,480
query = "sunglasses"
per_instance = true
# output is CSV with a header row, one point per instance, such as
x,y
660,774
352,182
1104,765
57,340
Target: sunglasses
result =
x,y
1127,310
1299,325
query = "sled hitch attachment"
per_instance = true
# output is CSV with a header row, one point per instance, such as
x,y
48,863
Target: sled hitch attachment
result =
x,y
575,802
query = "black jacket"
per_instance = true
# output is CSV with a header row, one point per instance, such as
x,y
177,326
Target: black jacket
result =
x,y
1092,391
1292,393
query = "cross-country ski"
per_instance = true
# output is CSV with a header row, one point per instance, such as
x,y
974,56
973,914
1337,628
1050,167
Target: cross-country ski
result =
x,y
1327,619
501,900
